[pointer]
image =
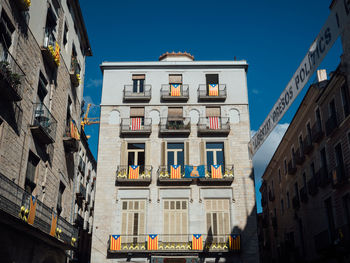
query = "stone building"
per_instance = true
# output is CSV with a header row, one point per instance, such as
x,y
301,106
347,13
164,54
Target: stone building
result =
x,y
43,47
157,120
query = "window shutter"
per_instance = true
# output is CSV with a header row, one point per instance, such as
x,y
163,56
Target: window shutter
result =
x,y
138,76
175,79
187,153
213,111
163,154
137,112
203,160
175,112
227,153
124,153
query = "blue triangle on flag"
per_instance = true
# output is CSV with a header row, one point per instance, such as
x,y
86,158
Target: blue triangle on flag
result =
x,y
213,85
197,236
175,166
115,236
216,166
175,85
33,198
153,236
134,166
234,236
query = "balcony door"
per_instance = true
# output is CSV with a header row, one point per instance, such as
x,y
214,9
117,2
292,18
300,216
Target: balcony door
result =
x,y
138,83
175,155
136,155
215,154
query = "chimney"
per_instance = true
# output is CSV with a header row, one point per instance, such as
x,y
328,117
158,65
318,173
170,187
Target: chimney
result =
x,y
179,56
321,75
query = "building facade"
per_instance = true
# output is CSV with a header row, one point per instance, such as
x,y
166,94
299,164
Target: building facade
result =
x,y
157,120
43,47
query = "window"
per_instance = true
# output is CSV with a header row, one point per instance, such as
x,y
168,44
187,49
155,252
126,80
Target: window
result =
x,y
332,110
65,36
32,164
175,154
6,31
288,200
59,198
175,221
285,166
137,113
138,83
282,206
309,133
296,190
50,28
318,120
212,79
312,169
175,118
133,221
339,158
215,154
346,206
279,175
213,111
136,154
293,156
301,144
42,89
69,115
345,99
218,218
304,180
324,164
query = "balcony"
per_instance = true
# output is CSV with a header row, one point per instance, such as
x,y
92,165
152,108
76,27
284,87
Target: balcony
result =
x,y
130,95
299,157
271,196
331,125
221,176
175,126
167,94
324,178
13,198
71,137
50,49
303,195
292,169
312,186
140,175
165,177
44,124
136,127
308,146
174,244
11,76
317,133
79,220
204,95
81,191
74,72
296,202
214,126
81,165
23,5
340,177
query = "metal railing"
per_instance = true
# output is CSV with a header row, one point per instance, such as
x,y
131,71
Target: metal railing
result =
x,y
164,173
13,197
165,93
49,38
74,66
176,242
175,125
203,92
42,117
143,94
145,126
223,125
12,74
144,173
226,170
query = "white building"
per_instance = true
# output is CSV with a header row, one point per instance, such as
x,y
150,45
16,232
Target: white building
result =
x,y
145,122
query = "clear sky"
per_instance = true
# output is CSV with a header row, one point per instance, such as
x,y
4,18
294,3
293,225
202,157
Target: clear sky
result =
x,y
273,36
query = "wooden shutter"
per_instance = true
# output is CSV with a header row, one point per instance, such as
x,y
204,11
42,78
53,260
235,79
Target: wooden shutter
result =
x,y
227,153
163,154
213,111
175,112
203,153
187,153
175,220
175,79
138,76
137,112
124,153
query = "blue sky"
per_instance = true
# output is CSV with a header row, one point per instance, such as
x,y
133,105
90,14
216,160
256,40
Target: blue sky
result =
x,y
273,36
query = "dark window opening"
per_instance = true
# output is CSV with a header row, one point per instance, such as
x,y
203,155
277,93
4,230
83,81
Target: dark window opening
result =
x,y
32,164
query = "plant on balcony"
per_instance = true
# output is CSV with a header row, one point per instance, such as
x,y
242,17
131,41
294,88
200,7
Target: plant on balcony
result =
x,y
121,174
13,78
55,52
146,175
228,174
164,174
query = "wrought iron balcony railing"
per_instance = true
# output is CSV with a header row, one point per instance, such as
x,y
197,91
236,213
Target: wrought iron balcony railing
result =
x,y
13,198
134,175
172,126
75,71
218,175
204,94
167,94
71,137
166,177
214,125
134,126
174,243
143,94
44,124
11,76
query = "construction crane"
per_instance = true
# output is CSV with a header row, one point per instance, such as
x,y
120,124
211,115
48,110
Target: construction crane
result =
x,y
88,121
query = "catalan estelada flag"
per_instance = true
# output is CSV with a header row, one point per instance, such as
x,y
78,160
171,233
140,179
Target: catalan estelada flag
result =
x,y
175,171
136,124
134,171
216,171
235,242
152,242
214,123
53,224
213,89
197,242
115,242
32,209
175,90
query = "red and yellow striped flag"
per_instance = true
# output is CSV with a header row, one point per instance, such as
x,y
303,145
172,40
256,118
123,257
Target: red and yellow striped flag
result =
x,y
134,171
213,89
53,224
115,242
175,90
214,123
136,124
32,210
197,242
152,242
235,242
216,171
175,171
